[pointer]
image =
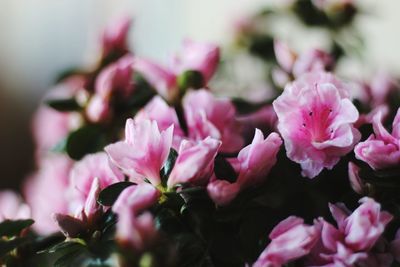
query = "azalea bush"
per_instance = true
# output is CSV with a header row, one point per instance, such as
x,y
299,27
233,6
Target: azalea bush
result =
x,y
146,164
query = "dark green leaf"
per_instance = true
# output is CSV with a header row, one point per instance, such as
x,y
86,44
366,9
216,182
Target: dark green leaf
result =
x,y
64,105
7,246
109,195
68,73
190,79
68,259
11,228
67,245
85,140
169,164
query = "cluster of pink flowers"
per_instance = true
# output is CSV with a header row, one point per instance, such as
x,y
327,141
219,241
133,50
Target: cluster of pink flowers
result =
x,y
181,139
355,241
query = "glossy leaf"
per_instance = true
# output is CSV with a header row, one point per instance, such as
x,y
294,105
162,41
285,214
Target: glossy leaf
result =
x,y
109,195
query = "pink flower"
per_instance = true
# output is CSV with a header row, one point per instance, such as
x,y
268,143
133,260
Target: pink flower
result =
x,y
312,60
86,215
356,234
256,160
49,126
136,198
12,207
252,164
161,78
365,225
115,35
222,192
315,119
381,150
116,78
201,57
195,162
165,116
83,174
207,116
136,231
355,180
45,192
290,239
144,151
98,109
285,56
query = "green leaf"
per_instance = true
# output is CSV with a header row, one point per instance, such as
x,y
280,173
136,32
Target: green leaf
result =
x,y
7,246
64,105
85,140
68,259
109,195
190,79
169,165
11,228
70,245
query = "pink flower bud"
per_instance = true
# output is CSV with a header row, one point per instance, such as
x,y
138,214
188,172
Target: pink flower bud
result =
x,y
115,35
144,151
201,57
284,55
257,159
195,162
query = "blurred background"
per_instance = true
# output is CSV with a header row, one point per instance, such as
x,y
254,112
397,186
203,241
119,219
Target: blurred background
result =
x,y
40,38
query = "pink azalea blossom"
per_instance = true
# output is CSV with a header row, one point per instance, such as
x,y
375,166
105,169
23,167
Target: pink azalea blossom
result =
x,y
298,64
45,192
136,198
49,126
12,206
98,109
86,215
381,150
83,174
356,233
253,164
201,57
208,116
136,230
165,116
161,78
195,162
144,151
115,36
315,119
290,239
116,78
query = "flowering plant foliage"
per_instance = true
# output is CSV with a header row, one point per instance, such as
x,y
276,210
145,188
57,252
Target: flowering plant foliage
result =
x,y
140,164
